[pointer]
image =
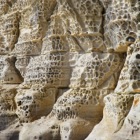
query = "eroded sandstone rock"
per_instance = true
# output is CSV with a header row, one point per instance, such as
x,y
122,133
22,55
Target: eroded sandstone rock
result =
x,y
117,107
129,77
34,103
59,59
130,128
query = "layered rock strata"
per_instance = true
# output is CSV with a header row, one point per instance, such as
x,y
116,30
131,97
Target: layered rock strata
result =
x,y
67,66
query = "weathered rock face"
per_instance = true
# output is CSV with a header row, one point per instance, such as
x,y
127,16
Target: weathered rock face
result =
x,y
117,107
61,61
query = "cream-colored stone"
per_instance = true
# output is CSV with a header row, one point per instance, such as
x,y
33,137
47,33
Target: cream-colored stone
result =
x,y
96,70
130,129
59,59
76,110
7,106
120,25
116,108
129,77
34,103
10,74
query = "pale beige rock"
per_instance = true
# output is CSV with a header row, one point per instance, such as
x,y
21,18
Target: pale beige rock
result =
x,y
129,77
59,59
39,128
34,103
116,108
7,106
80,99
10,74
96,70
120,25
130,129
72,116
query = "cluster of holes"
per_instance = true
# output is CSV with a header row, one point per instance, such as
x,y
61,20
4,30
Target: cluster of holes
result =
x,y
66,23
51,68
2,64
118,105
89,42
62,114
34,19
7,107
131,69
120,27
18,5
26,107
116,11
91,71
52,76
68,105
54,44
56,26
135,125
28,48
7,102
133,121
86,43
91,12
30,107
10,31
134,69
120,33
3,49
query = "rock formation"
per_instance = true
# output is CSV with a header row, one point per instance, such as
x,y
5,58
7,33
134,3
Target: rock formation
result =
x,y
69,69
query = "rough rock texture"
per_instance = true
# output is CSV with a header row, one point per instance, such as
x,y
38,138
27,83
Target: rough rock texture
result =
x,y
69,69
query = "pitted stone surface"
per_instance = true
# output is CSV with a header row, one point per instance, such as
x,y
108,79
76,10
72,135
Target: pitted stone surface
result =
x,y
59,59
